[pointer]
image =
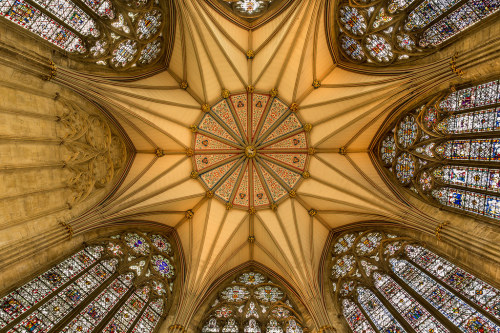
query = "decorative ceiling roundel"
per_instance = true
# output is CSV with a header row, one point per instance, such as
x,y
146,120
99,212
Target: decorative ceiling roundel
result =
x,y
250,150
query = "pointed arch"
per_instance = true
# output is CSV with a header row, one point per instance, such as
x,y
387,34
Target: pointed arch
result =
x,y
380,279
251,298
385,33
107,35
444,151
125,281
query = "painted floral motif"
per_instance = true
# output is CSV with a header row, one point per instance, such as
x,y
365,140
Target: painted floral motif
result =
x,y
270,150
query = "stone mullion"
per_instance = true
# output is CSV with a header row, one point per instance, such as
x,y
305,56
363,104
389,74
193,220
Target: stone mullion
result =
x,y
469,189
367,317
401,320
114,310
93,15
473,109
470,163
423,302
58,20
138,317
454,292
90,297
420,31
49,297
471,135
278,122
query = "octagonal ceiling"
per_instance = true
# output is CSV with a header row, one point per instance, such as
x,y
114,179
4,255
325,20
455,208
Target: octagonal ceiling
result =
x,y
213,60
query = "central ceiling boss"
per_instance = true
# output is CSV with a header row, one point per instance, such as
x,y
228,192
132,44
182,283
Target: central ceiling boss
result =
x,y
250,150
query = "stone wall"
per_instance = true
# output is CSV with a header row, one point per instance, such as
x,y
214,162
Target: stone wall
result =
x,y
60,156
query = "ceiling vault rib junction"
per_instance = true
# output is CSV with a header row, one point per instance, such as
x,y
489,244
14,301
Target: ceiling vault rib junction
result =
x,y
315,18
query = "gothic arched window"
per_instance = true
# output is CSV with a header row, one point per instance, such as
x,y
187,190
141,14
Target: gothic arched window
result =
x,y
386,283
386,31
252,303
116,33
447,150
123,283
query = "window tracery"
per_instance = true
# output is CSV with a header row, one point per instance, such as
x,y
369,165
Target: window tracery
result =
x,y
117,33
398,285
386,31
252,303
109,286
447,150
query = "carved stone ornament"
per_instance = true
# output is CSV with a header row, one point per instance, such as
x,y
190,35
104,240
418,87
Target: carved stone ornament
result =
x,y
91,153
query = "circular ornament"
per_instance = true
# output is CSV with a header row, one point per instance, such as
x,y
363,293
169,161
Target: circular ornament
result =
x,y
235,294
343,265
388,150
352,48
344,243
379,49
137,243
268,294
368,243
250,150
407,131
160,243
163,266
124,53
405,168
352,20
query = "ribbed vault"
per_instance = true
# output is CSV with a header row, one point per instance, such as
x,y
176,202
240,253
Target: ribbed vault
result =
x,y
291,55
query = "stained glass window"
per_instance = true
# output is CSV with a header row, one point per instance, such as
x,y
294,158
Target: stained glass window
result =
x,y
405,286
249,9
448,150
355,318
378,313
461,314
85,291
466,284
413,312
125,37
252,302
395,30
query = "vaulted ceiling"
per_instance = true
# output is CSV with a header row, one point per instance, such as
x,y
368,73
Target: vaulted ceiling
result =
x,y
346,109
344,187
